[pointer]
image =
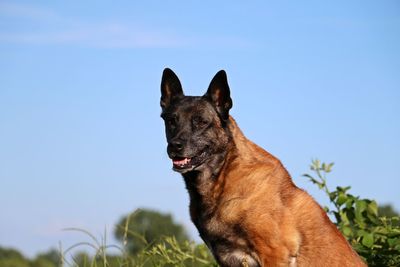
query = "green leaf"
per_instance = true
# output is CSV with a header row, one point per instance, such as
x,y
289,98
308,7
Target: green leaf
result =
x,y
393,241
307,175
332,195
342,198
343,189
361,232
349,213
343,217
373,208
360,221
321,185
312,179
317,163
349,203
368,240
329,167
337,216
373,218
361,205
347,231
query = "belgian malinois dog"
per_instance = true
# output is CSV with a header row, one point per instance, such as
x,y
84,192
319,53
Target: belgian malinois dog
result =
x,y
242,200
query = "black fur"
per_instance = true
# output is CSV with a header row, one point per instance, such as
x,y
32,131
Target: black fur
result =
x,y
196,128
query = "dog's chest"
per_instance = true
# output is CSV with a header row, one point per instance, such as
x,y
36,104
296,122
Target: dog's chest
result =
x,y
228,242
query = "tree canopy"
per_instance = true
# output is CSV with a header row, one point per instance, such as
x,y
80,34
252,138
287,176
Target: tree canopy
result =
x,y
13,258
146,227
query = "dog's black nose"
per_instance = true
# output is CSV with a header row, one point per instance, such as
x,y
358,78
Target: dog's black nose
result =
x,y
176,145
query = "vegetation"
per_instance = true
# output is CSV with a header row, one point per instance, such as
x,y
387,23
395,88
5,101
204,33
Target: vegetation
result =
x,y
166,251
149,238
13,258
375,237
141,228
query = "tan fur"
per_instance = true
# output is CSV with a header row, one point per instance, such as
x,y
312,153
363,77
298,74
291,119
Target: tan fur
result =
x,y
285,225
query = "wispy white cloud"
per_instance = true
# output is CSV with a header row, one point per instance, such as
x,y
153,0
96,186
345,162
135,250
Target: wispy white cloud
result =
x,y
58,30
15,10
100,36
55,29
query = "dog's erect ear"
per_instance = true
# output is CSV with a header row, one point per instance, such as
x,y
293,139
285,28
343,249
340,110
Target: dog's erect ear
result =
x,y
219,94
171,88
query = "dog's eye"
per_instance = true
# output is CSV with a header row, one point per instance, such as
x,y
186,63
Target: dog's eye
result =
x,y
199,122
171,122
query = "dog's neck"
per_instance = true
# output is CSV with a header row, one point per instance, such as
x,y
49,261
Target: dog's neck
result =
x,y
207,184
201,184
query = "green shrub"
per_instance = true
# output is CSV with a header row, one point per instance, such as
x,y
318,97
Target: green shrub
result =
x,y
375,238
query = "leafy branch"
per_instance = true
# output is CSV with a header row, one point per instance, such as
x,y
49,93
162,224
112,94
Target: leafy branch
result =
x,y
375,238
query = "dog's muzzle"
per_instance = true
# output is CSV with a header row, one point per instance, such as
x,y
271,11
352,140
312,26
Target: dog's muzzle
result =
x,y
186,164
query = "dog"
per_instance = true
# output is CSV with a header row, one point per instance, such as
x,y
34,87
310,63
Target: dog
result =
x,y
243,202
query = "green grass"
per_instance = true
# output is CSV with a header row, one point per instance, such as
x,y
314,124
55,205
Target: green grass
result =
x,y
164,252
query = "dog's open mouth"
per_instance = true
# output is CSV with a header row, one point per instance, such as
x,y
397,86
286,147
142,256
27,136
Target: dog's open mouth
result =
x,y
183,164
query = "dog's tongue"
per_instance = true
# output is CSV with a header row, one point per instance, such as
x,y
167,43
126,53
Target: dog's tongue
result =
x,y
180,161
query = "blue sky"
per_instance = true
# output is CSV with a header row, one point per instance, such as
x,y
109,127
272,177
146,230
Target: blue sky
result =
x,y
81,141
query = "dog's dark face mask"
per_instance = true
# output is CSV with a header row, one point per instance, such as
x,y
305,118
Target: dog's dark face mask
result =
x,y
195,126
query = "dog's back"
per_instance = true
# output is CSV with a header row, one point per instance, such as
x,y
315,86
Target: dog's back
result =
x,y
283,220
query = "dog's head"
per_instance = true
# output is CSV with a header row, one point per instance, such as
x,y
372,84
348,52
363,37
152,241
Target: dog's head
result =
x,y
195,126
